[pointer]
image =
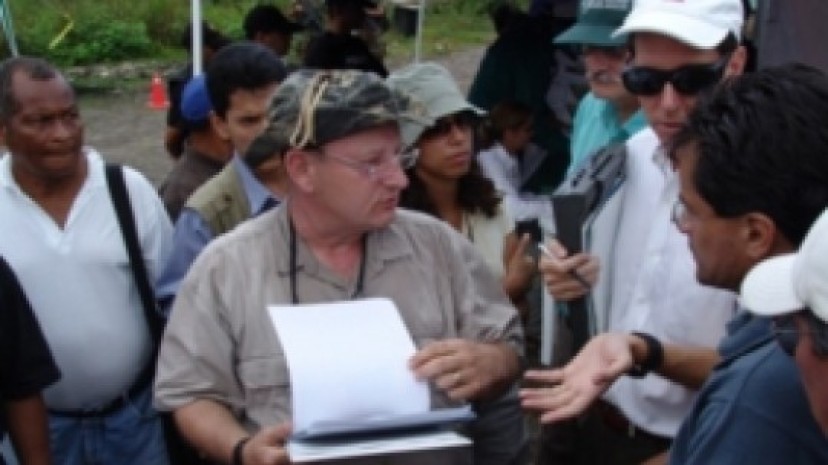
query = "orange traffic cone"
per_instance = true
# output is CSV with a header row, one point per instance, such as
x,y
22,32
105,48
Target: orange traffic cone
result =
x,y
158,94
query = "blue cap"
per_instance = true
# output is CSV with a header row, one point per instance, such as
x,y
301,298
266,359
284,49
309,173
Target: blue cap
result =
x,y
195,102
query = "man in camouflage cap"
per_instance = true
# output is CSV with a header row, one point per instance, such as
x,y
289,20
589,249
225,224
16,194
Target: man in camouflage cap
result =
x,y
338,236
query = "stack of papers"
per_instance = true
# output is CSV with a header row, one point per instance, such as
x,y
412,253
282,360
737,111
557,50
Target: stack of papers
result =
x,y
353,391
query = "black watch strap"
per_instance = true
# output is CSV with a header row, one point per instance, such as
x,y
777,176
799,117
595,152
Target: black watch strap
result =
x,y
655,356
238,449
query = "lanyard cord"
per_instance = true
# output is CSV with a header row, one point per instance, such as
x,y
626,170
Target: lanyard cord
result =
x,y
294,296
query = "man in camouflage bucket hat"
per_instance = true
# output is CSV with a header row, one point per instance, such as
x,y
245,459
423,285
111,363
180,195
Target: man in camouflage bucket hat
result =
x,y
352,101
338,236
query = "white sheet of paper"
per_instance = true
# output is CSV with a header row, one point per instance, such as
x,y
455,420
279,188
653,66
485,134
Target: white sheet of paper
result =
x,y
301,451
348,361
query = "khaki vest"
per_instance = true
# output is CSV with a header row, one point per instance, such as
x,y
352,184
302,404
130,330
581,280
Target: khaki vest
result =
x,y
221,201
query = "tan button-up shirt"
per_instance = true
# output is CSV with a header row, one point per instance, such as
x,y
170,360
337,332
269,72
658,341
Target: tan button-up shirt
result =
x,y
220,343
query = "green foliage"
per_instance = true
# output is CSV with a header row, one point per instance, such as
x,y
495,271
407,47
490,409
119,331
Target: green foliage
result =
x,y
103,40
114,30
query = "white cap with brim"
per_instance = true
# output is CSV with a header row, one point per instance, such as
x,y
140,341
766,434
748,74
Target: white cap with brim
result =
x,y
701,24
789,283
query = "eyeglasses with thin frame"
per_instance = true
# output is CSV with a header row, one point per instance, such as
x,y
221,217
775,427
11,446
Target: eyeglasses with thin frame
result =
x,y
376,169
687,80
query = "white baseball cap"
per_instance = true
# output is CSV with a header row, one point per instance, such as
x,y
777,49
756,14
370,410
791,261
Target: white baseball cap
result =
x,y
702,24
789,283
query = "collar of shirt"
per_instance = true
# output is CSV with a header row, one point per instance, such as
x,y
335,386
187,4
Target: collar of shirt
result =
x,y
259,196
636,122
744,331
382,245
94,176
663,163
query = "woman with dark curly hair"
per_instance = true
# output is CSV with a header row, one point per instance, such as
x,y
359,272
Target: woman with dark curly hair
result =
x,y
447,182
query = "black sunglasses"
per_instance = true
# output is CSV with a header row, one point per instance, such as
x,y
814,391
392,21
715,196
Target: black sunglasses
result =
x,y
444,125
787,333
687,80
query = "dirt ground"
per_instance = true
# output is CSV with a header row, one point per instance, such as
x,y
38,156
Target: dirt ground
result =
x,y
125,131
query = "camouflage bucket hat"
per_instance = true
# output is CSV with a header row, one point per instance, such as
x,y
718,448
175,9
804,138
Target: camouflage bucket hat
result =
x,y
311,108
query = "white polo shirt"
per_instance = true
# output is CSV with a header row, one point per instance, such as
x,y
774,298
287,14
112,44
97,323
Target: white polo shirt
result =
x,y
654,288
80,283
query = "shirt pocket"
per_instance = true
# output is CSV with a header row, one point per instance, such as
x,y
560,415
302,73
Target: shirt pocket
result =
x,y
266,387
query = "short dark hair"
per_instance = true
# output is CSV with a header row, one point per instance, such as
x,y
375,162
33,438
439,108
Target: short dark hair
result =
x,y
266,19
242,65
35,68
210,38
762,144
506,115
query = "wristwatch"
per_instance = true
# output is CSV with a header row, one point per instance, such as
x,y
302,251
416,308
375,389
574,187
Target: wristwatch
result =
x,y
655,356
238,449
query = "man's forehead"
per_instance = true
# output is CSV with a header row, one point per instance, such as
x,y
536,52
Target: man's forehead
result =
x,y
32,93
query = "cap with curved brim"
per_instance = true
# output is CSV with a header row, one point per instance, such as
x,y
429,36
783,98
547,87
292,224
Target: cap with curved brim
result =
x,y
692,31
195,101
595,27
768,289
434,87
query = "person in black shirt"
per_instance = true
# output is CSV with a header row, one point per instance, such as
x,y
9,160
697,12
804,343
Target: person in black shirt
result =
x,y
337,47
26,368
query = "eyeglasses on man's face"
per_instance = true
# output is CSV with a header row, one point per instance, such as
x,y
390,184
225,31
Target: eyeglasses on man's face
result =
x,y
378,168
687,80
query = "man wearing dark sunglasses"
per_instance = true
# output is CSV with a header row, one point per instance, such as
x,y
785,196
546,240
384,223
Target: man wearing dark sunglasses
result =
x,y
608,112
793,289
752,164
676,48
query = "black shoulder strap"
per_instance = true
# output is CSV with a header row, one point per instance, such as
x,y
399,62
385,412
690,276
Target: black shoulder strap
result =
x,y
123,209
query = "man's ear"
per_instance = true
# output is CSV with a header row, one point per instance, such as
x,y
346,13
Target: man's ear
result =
x,y
299,169
761,236
219,126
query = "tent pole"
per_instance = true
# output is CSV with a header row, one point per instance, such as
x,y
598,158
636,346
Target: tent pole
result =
x,y
418,42
196,36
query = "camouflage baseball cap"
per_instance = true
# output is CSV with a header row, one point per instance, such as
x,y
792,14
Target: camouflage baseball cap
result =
x,y
311,108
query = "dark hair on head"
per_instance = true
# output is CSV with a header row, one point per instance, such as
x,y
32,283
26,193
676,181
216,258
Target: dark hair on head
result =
x,y
475,193
506,115
244,65
262,18
504,15
200,125
35,68
762,145
210,37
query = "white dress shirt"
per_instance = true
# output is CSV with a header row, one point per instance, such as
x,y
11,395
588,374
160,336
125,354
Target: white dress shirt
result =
x,y
654,288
